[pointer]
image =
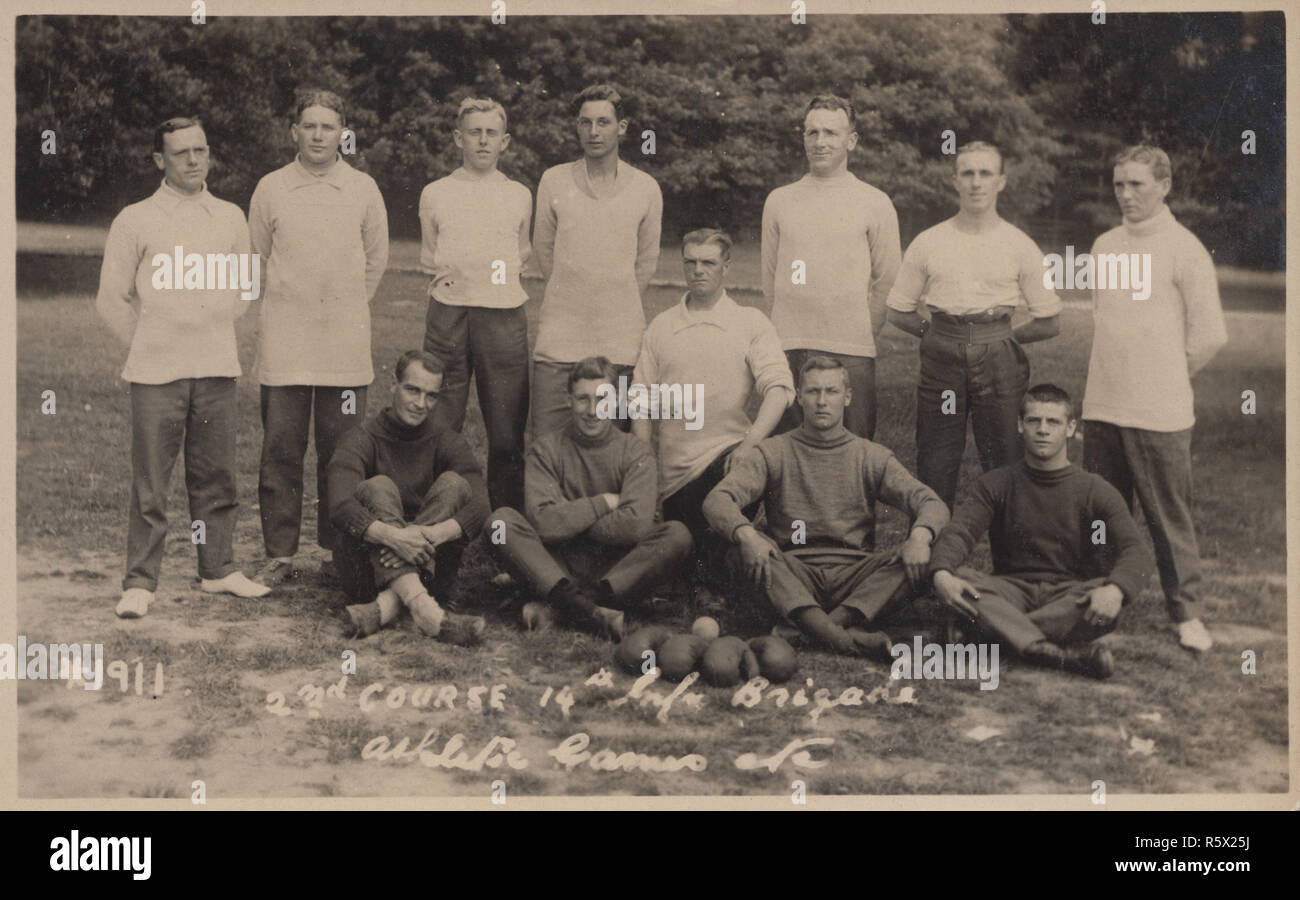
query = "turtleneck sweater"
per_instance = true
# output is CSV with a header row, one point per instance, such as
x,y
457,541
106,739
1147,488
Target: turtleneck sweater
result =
x,y
413,457
1042,526
1141,349
828,485
566,472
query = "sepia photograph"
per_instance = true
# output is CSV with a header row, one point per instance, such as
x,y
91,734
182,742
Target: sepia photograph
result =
x,y
774,404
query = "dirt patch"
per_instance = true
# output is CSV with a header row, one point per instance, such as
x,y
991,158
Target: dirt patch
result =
x,y
256,699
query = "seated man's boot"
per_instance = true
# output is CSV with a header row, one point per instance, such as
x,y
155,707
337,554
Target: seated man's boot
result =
x,y
363,618
873,645
1044,654
1093,660
537,616
462,630
608,623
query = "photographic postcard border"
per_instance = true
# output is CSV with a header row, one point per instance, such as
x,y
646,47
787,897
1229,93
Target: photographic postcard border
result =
x,y
8,549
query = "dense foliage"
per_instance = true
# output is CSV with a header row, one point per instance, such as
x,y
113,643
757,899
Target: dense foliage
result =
x,y
723,96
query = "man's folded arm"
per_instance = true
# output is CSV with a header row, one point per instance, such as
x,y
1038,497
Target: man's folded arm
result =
x,y
634,517
555,517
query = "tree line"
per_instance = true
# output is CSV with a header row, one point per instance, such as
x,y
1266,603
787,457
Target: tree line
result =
x,y
722,96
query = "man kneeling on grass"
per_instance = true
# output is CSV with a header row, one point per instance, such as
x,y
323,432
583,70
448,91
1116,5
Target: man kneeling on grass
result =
x,y
1066,552
589,495
817,564
406,495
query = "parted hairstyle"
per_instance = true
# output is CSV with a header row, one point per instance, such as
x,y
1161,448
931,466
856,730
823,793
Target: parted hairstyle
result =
x,y
431,363
600,92
317,97
1154,157
831,101
483,105
709,236
1047,393
598,367
823,363
173,124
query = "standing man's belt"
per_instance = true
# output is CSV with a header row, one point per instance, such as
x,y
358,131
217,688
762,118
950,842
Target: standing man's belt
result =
x,y
974,328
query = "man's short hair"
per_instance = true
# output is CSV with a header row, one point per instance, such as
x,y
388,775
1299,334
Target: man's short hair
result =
x,y
1047,393
831,101
822,363
972,147
481,105
600,92
1154,157
316,97
709,236
175,124
597,367
431,363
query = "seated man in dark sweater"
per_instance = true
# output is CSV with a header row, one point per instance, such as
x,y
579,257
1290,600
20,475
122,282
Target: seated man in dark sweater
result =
x,y
1066,553
589,497
819,483
405,495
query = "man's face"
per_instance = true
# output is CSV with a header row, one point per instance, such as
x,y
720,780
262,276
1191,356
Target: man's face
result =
x,y
583,398
184,159
978,180
481,137
415,393
823,395
317,133
1138,191
705,269
1044,429
599,129
827,140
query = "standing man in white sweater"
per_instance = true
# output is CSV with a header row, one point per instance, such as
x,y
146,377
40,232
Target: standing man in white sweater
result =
x,y
474,242
974,270
723,352
1138,407
322,227
830,253
181,366
597,243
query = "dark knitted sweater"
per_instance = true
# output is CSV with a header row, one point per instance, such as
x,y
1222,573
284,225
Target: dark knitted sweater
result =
x,y
827,485
566,473
413,458
1041,527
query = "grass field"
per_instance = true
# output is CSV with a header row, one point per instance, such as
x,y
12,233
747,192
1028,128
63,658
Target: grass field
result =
x,y
79,248
1214,728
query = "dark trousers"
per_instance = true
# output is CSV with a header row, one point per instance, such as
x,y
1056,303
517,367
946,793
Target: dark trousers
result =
x,y
686,505
201,411
860,415
286,416
988,374
1157,467
1021,612
631,572
492,346
550,407
360,571
875,584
